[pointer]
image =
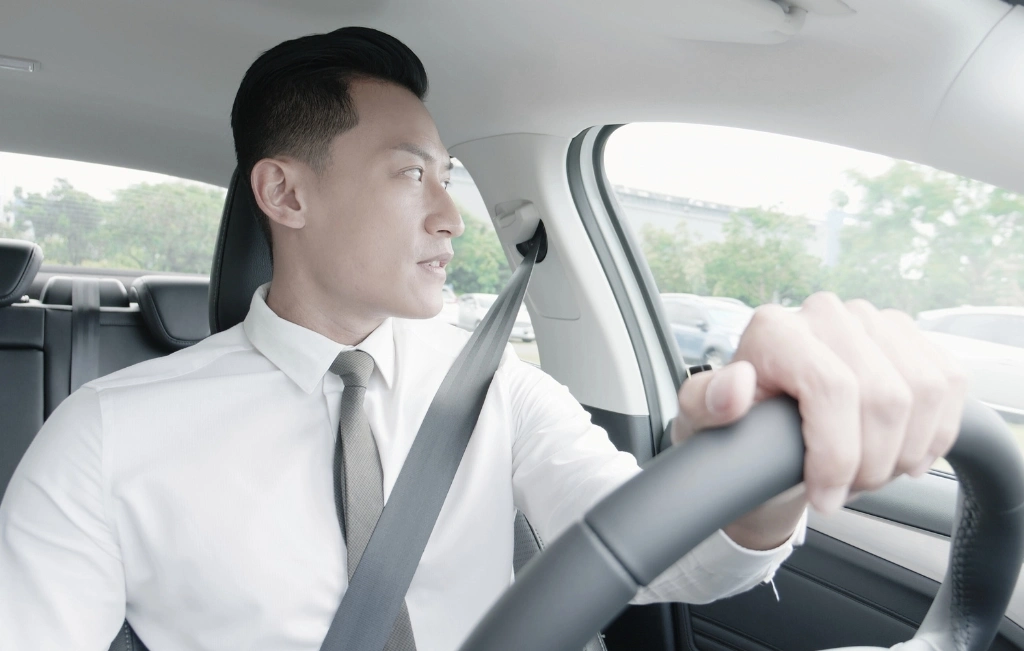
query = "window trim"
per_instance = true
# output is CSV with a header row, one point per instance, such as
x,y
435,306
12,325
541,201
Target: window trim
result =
x,y
630,279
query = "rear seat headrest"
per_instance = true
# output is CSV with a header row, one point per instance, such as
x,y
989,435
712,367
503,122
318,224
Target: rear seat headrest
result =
x,y
57,291
19,262
175,308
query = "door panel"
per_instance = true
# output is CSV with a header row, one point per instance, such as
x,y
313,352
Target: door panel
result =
x,y
830,595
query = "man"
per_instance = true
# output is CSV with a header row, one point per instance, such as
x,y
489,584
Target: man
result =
x,y
196,492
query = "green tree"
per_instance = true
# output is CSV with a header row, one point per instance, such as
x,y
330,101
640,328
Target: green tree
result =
x,y
162,227
674,258
64,222
479,264
763,259
925,239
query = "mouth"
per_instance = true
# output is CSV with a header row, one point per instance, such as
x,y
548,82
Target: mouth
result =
x,y
437,262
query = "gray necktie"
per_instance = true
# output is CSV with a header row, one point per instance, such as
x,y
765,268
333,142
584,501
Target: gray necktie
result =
x,y
358,482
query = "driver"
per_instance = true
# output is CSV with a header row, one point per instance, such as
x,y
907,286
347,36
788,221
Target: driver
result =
x,y
195,492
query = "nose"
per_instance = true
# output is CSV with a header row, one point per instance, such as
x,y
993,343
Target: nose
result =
x,y
445,217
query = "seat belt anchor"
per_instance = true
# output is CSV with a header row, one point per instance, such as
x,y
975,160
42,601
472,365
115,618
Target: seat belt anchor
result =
x,y
540,235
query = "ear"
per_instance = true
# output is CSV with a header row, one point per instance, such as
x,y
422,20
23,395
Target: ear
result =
x,y
275,184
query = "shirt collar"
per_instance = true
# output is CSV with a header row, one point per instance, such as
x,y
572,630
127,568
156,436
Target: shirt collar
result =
x,y
304,355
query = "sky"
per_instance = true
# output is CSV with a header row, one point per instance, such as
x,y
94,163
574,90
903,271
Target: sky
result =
x,y
722,165
735,167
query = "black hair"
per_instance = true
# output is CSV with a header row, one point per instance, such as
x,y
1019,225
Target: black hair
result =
x,y
294,99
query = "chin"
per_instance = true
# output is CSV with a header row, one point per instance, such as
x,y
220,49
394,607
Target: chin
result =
x,y
426,308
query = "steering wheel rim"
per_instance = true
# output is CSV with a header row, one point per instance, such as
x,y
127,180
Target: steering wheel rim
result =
x,y
626,541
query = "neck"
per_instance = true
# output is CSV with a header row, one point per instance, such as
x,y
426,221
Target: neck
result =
x,y
303,305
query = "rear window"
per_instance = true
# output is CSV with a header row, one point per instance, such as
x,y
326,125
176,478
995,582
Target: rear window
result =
x,y
99,216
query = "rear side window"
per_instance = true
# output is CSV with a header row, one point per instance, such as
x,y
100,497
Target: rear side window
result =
x,y
99,216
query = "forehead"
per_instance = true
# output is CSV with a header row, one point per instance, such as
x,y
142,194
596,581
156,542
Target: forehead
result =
x,y
391,116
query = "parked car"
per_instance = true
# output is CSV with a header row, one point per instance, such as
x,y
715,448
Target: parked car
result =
x,y
473,307
707,329
989,342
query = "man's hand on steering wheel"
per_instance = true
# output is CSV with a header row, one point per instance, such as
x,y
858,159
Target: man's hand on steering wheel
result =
x,y
877,398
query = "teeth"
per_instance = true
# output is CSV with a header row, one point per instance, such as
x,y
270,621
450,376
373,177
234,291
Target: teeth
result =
x,y
435,263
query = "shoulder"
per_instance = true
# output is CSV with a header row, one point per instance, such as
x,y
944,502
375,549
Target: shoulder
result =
x,y
210,354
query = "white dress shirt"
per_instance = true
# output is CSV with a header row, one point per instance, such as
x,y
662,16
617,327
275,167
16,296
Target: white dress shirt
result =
x,y
193,494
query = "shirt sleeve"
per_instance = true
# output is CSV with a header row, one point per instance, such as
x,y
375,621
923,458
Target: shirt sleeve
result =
x,y
563,464
63,580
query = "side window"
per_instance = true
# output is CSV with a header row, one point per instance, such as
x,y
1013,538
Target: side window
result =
x,y
756,218
1011,331
689,315
480,266
88,215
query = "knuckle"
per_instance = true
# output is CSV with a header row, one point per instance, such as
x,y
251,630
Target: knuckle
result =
x,y
929,389
892,403
837,384
767,312
898,316
823,301
861,305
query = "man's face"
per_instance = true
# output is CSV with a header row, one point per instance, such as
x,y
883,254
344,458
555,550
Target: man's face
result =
x,y
379,220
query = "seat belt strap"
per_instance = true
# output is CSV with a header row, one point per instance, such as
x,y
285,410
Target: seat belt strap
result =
x,y
85,331
375,593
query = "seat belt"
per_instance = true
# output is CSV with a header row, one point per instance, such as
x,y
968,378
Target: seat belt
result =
x,y
85,331
381,580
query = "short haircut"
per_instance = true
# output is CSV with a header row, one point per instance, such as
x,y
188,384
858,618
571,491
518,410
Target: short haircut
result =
x,y
294,99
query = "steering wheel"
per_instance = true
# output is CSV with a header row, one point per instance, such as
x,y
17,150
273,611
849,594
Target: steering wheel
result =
x,y
628,539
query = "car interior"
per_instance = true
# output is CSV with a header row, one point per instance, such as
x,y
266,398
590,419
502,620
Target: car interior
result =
x,y
526,95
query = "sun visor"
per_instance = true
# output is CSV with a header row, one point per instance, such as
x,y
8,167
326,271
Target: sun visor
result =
x,y
727,21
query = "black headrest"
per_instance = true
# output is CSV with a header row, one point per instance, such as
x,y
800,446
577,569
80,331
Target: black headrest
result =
x,y
174,308
19,262
57,291
241,262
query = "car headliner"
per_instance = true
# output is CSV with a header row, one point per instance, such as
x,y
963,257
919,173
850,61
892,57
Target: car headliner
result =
x,y
148,83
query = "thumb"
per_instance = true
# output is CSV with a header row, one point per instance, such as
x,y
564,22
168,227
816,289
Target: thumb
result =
x,y
714,398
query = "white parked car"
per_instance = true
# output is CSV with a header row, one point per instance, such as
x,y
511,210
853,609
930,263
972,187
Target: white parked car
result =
x,y
473,307
989,342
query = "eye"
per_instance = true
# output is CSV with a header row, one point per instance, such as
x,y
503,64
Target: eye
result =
x,y
416,173
446,184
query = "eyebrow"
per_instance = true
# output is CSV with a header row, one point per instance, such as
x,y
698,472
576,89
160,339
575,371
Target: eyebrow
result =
x,y
416,150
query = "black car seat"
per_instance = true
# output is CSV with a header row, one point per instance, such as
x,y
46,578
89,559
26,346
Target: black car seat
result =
x,y
21,354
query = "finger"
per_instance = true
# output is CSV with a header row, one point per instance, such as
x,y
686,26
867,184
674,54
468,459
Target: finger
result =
x,y
791,359
951,409
885,397
714,398
917,363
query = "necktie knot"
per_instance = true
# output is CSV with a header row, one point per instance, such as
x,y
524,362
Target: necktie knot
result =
x,y
353,367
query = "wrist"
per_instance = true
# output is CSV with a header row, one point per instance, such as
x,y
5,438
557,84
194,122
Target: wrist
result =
x,y
771,524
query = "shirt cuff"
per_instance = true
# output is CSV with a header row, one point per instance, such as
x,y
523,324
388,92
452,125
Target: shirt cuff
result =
x,y
719,568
